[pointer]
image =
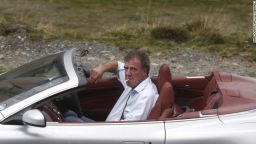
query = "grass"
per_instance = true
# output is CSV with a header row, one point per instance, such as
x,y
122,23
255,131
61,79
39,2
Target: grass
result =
x,y
219,26
5,69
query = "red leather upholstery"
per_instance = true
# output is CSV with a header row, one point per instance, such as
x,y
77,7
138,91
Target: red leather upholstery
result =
x,y
166,95
224,94
164,101
214,101
208,99
167,113
164,75
47,117
52,113
238,93
164,107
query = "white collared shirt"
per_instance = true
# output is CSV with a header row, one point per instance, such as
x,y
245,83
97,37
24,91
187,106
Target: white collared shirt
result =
x,y
137,105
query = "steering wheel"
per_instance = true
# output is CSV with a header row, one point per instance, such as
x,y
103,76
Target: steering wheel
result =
x,y
53,112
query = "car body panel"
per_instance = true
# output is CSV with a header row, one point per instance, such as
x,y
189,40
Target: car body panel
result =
x,y
190,131
241,117
236,128
86,133
210,131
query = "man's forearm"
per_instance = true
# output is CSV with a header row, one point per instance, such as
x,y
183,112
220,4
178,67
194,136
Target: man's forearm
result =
x,y
97,72
110,66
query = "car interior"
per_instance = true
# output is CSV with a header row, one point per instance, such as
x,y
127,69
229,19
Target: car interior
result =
x,y
177,95
180,97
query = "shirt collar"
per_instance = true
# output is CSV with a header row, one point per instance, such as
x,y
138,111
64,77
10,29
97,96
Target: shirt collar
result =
x,y
142,85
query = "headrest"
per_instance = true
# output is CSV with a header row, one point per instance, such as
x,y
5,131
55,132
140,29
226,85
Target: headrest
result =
x,y
164,75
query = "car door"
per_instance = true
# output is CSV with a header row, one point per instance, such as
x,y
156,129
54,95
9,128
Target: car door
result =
x,y
202,130
85,133
212,129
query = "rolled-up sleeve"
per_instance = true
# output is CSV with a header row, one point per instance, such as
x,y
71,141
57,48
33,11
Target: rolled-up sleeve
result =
x,y
121,73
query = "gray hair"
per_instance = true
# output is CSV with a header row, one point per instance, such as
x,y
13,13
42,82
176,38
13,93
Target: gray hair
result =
x,y
142,56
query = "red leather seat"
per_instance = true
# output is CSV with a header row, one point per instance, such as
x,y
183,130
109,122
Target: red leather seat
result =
x,y
214,101
165,89
164,75
164,107
164,101
211,97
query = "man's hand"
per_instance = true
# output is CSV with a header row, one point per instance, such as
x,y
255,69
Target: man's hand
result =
x,y
96,74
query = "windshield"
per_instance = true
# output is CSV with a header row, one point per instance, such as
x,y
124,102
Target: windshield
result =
x,y
30,79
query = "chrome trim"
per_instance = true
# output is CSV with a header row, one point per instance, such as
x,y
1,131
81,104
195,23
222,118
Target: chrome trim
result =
x,y
195,77
1,116
206,115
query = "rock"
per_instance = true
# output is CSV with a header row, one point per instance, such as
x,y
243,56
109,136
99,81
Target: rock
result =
x,y
112,58
91,58
154,64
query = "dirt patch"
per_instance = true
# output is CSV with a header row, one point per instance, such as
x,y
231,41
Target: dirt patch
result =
x,y
16,50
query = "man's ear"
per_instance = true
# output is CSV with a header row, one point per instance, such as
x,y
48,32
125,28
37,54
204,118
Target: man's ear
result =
x,y
145,71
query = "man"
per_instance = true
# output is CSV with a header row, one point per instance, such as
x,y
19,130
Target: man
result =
x,y
140,93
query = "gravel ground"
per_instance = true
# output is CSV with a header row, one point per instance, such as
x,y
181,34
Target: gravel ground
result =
x,y
16,49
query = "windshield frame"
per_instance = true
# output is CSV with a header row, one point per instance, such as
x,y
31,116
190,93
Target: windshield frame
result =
x,y
72,82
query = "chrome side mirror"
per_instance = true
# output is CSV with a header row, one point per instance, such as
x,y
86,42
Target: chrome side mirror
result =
x,y
34,118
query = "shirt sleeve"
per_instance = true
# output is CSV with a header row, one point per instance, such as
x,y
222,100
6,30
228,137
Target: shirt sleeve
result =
x,y
121,73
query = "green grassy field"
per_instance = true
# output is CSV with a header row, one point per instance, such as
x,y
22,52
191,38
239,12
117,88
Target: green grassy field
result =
x,y
219,26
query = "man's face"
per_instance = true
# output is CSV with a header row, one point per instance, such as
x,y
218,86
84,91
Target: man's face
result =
x,y
134,73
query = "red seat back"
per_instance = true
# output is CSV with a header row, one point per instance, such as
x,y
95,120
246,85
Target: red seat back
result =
x,y
164,101
166,94
164,75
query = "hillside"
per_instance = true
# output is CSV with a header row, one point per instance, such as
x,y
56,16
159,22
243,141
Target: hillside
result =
x,y
220,29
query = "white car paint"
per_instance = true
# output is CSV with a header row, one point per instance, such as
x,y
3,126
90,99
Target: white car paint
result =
x,y
86,133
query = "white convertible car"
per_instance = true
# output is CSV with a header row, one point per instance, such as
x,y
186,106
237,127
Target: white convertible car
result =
x,y
219,108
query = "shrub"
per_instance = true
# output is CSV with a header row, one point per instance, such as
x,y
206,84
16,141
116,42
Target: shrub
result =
x,y
202,33
195,25
9,28
176,34
212,38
